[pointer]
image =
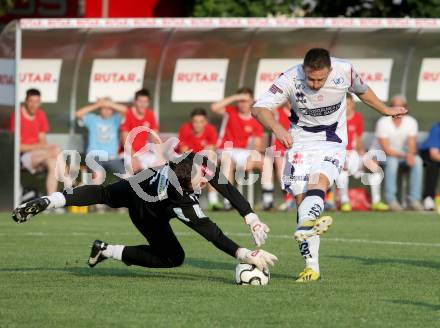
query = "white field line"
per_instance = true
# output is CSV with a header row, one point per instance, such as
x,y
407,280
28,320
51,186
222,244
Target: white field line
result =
x,y
241,234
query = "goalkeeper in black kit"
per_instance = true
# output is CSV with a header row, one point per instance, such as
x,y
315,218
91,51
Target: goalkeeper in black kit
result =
x,y
153,197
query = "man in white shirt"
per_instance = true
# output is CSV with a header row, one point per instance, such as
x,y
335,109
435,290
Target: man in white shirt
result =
x,y
317,138
397,137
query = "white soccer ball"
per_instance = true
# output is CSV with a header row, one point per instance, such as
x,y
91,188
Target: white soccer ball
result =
x,y
247,274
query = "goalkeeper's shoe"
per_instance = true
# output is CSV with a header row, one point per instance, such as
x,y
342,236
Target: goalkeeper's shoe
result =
x,y
27,210
308,275
96,255
312,228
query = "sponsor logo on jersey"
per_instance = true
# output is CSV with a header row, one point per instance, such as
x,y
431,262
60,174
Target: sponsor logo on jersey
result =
x,y
321,111
332,160
300,97
297,158
274,89
338,80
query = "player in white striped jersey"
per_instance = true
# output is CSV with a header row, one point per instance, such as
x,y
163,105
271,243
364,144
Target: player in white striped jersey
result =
x,y
316,139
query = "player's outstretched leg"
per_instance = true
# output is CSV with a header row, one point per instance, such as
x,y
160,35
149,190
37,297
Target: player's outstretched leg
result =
x,y
26,211
309,227
114,195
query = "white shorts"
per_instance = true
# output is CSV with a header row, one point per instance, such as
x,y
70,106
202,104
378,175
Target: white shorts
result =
x,y
146,159
301,164
26,162
239,156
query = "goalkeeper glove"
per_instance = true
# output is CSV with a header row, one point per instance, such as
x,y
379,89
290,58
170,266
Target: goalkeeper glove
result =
x,y
260,258
259,230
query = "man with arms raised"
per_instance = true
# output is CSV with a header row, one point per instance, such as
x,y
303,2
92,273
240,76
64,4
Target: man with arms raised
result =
x,y
317,138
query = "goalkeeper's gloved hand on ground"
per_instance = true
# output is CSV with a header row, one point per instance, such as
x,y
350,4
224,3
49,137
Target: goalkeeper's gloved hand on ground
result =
x,y
260,258
259,230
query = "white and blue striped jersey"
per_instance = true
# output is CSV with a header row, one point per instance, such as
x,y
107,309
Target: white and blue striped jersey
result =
x,y
317,115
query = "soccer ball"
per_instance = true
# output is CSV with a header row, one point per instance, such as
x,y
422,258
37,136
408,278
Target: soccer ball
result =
x,y
247,274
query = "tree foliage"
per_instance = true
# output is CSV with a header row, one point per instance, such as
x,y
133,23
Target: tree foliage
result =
x,y
6,5
317,8
243,8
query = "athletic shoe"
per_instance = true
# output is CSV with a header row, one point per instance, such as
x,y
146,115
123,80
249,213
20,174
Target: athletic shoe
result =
x,y
286,205
268,207
346,207
416,206
380,206
96,255
215,207
227,206
27,210
428,204
308,275
395,206
312,228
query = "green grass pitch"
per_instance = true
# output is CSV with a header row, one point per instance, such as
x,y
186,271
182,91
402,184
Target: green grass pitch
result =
x,y
379,270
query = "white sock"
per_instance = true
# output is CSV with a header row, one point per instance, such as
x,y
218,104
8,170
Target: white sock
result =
x,y
267,190
212,197
343,185
226,203
56,200
114,252
312,261
374,180
310,208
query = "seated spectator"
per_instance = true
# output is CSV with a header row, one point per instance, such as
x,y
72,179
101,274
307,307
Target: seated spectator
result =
x,y
240,135
198,135
139,115
103,134
282,115
397,137
430,152
36,153
354,160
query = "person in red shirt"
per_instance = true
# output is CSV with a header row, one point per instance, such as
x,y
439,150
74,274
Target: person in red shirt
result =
x,y
136,152
198,135
36,153
241,134
354,162
282,115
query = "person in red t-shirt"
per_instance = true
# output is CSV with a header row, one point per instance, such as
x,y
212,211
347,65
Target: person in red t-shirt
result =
x,y
198,135
241,133
140,115
282,115
354,162
36,153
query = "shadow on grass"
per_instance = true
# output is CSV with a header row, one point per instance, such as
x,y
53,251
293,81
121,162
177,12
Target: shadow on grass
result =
x,y
124,273
373,261
429,306
209,265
